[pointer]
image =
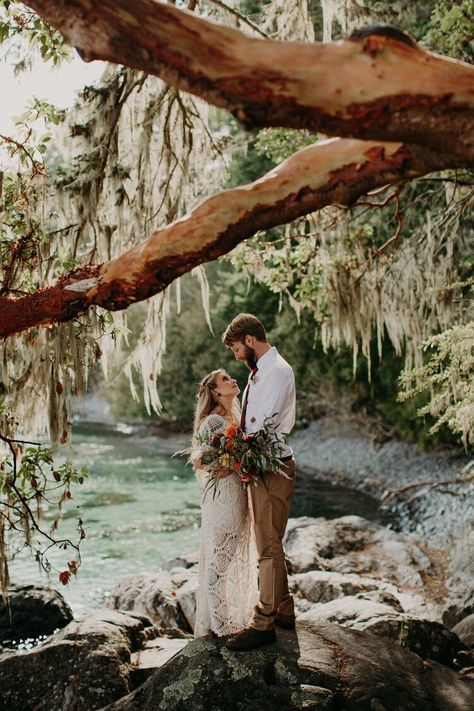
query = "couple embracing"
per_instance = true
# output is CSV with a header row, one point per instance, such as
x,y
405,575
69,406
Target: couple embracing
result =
x,y
243,585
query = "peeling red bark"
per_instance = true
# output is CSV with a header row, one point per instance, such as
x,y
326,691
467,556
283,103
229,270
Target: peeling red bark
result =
x,y
45,306
336,171
399,91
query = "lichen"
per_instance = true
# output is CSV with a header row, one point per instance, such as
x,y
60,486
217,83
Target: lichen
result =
x,y
283,672
197,647
180,690
238,670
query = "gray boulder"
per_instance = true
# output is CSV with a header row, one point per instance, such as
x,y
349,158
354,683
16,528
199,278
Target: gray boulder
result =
x,y
352,544
185,561
155,595
459,607
36,610
83,667
325,585
381,616
185,584
318,667
465,630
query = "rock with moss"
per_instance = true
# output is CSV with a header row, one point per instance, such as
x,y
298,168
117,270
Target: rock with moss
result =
x,y
83,667
381,615
316,667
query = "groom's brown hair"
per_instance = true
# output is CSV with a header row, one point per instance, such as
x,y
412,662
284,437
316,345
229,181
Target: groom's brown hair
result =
x,y
243,325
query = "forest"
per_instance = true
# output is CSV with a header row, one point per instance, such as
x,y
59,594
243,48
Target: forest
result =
x,y
307,161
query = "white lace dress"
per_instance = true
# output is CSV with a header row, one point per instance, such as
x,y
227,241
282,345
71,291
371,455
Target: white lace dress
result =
x,y
228,587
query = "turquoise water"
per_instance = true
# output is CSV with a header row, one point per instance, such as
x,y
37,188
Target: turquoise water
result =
x,y
140,508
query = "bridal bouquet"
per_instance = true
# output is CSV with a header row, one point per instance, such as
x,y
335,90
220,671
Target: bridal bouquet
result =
x,y
247,455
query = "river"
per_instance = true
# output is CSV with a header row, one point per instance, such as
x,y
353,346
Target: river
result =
x,y
140,507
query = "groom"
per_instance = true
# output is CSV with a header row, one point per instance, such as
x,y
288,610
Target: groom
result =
x,y
270,393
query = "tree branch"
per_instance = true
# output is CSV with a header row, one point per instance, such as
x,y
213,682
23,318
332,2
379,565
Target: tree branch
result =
x,y
335,171
378,84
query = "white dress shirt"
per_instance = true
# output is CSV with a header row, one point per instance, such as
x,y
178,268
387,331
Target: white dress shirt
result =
x,y
271,394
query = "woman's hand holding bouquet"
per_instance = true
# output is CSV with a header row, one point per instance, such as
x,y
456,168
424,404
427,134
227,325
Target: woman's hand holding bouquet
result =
x,y
247,456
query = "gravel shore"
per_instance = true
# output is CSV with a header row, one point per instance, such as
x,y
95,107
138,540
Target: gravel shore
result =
x,y
336,452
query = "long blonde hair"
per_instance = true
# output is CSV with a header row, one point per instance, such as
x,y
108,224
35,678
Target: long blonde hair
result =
x,y
206,400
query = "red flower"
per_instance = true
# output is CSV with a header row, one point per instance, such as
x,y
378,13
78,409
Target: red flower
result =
x,y
229,445
237,465
64,577
230,431
245,477
246,437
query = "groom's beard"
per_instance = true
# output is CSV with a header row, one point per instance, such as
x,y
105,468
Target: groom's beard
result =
x,y
250,358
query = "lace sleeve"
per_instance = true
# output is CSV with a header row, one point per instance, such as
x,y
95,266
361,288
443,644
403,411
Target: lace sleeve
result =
x,y
209,426
212,424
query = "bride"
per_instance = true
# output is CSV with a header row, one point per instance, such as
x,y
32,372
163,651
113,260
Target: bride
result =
x,y
228,589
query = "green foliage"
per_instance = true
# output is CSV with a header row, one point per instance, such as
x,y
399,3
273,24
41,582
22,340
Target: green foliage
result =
x,y
277,144
451,29
327,385
21,232
30,480
448,375
252,8
18,22
248,164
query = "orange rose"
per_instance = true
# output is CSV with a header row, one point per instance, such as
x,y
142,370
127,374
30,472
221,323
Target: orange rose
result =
x,y
230,431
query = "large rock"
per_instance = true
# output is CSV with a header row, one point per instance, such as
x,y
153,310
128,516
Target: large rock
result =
x,y
460,602
459,607
324,586
36,610
162,596
465,630
352,544
185,584
83,667
381,616
185,561
322,667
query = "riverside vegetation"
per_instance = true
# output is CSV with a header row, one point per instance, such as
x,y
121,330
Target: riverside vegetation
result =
x,y
354,292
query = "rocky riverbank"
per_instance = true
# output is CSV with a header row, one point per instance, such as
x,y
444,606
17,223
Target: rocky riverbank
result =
x,y
366,603
338,451
439,516
385,617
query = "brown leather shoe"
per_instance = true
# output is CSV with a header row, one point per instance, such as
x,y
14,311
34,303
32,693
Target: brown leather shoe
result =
x,y
287,622
250,639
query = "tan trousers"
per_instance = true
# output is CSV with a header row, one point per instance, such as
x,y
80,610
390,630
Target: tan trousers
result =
x,y
270,503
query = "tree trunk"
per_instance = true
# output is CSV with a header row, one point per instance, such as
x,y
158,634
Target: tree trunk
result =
x,y
336,171
378,84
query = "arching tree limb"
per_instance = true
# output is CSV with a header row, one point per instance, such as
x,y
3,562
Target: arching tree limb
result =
x,y
378,85
336,171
